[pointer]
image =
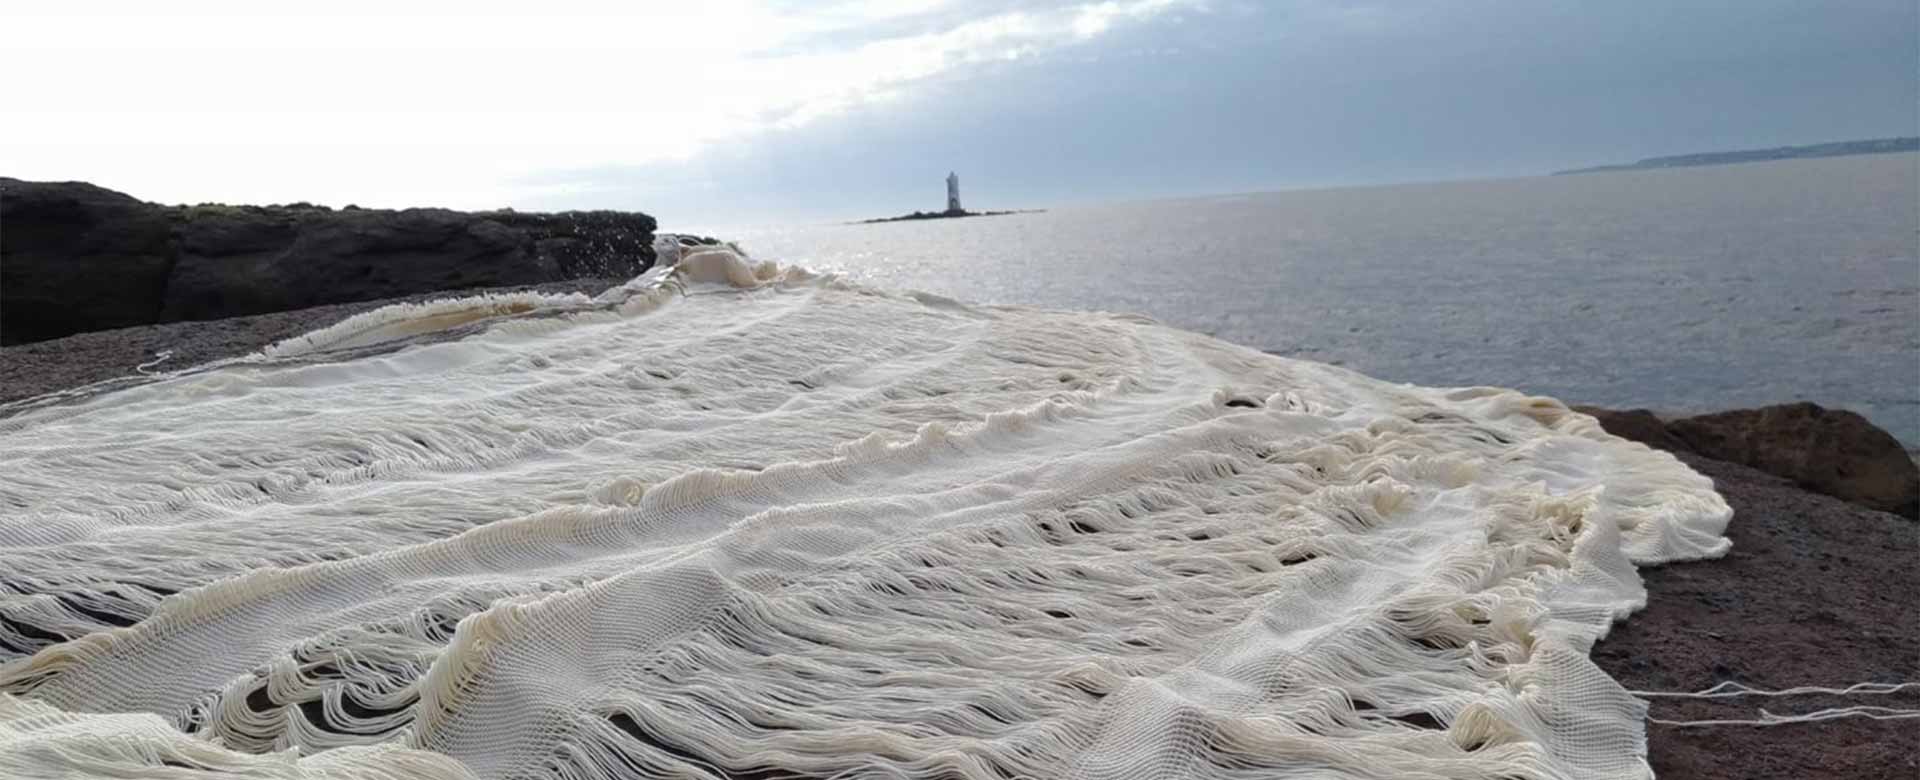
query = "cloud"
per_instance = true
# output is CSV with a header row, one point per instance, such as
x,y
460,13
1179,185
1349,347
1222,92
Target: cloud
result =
x,y
1095,18
748,110
359,103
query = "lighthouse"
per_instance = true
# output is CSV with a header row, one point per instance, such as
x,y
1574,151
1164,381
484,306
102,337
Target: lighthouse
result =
x,y
953,193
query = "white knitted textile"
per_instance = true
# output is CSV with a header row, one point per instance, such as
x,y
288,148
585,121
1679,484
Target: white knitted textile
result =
x,y
738,521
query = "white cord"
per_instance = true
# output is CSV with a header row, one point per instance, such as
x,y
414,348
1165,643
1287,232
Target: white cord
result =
x,y
158,358
1769,719
1728,690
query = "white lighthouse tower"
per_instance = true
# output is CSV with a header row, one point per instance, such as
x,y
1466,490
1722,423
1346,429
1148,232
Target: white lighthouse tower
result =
x,y
953,193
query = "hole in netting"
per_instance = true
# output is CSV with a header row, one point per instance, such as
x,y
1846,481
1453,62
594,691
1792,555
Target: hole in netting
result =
x,y
989,714
355,709
258,700
1419,720
442,628
31,632
768,727
104,617
156,590
316,713
706,766
1243,403
924,584
1486,436
1084,686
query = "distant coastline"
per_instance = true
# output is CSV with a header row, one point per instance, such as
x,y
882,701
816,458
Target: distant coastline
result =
x,y
1838,149
949,214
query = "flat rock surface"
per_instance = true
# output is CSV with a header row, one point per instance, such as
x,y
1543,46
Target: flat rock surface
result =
x,y
1816,592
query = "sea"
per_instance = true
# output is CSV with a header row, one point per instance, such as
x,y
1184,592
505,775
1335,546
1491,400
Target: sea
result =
x,y
1682,290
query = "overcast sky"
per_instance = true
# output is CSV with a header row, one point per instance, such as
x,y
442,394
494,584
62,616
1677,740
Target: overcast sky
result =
x,y
736,112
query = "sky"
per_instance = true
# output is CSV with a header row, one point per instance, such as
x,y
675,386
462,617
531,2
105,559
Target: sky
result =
x,y
748,112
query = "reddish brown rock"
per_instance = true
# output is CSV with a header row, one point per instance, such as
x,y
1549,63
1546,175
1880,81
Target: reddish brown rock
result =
x,y
1829,451
1636,425
1815,591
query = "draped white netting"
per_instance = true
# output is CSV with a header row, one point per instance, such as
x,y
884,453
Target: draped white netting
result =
x,y
742,522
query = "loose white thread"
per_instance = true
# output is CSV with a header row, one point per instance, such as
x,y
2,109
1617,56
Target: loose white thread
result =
x,y
158,358
1730,689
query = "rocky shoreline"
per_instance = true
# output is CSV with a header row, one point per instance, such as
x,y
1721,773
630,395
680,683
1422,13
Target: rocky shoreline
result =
x,y
78,258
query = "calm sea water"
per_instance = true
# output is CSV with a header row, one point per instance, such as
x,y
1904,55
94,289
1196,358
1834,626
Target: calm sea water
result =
x,y
1682,290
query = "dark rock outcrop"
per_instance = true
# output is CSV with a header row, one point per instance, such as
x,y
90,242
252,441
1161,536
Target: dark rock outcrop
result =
x,y
1829,451
76,258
